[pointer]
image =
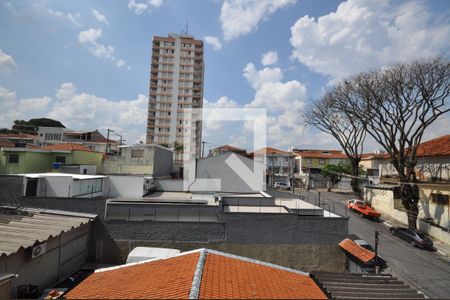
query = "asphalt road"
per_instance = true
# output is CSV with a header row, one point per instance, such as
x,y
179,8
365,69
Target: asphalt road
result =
x,y
425,270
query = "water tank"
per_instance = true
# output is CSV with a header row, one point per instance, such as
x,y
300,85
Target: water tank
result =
x,y
56,165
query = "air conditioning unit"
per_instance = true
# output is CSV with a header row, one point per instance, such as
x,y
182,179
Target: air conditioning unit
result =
x,y
38,250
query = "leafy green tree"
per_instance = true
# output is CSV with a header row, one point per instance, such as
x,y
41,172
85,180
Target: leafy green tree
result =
x,y
31,126
333,173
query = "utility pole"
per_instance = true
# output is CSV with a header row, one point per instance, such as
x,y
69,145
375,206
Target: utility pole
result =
x,y
107,140
377,267
203,149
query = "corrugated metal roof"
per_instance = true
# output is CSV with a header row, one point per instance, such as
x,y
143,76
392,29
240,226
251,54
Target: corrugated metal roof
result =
x,y
22,228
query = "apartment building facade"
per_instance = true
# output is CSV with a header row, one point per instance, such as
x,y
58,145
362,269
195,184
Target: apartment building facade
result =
x,y
176,90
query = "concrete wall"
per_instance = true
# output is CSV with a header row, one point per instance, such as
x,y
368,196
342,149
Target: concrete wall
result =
x,y
124,186
303,257
54,186
383,201
246,177
64,255
163,159
155,161
170,185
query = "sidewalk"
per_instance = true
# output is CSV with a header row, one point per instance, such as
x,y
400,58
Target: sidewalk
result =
x,y
442,249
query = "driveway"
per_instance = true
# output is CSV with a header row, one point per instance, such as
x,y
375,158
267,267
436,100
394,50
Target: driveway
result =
x,y
426,270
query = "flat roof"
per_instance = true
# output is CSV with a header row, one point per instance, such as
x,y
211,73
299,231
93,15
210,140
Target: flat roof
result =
x,y
74,176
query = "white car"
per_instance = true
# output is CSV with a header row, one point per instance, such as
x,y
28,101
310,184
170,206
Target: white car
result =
x,y
282,186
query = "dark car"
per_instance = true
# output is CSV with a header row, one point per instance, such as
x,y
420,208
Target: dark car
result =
x,y
414,237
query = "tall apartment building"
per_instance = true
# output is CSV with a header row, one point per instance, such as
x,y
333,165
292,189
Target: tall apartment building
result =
x,y
176,86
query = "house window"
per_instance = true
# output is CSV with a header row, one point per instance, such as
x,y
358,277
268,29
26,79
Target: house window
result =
x,y
322,161
61,159
308,161
439,199
13,158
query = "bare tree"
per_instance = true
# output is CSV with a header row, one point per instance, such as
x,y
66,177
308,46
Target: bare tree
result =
x,y
396,105
325,115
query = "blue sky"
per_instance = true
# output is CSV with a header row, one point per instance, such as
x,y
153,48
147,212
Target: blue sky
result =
x,y
86,63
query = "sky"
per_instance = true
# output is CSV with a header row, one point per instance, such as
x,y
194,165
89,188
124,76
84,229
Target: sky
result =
x,y
86,63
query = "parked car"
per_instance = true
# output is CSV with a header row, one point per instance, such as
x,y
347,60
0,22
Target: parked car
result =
x,y
414,237
363,208
282,186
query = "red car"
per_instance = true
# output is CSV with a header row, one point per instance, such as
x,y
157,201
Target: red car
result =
x,y
363,208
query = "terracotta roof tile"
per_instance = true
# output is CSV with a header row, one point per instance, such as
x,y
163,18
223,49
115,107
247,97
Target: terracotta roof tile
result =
x,y
6,144
270,150
168,278
226,277
357,251
222,276
320,154
435,147
68,147
18,136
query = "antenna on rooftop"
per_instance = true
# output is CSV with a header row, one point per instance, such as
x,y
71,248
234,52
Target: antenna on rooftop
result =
x,y
185,31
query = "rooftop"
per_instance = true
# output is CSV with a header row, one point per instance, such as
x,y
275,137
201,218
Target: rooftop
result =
x,y
198,274
74,176
364,286
320,154
270,151
357,251
69,147
24,227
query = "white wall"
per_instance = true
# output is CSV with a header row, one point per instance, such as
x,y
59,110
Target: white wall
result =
x,y
57,186
124,186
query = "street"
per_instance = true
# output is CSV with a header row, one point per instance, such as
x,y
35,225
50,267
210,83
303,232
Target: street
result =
x,y
428,271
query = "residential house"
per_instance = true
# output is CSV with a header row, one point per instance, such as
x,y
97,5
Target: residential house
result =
x,y
40,247
226,148
433,161
93,140
198,274
15,160
279,164
141,159
18,140
312,161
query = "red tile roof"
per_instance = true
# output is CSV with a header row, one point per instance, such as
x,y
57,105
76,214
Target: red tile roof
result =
x,y
218,275
270,151
17,136
6,144
230,278
68,147
166,278
357,251
321,154
436,147
228,148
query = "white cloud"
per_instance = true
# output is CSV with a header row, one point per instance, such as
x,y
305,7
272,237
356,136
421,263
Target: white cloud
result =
x,y
78,110
7,63
283,101
364,34
74,19
89,39
214,42
269,58
101,18
240,17
14,109
138,7
258,78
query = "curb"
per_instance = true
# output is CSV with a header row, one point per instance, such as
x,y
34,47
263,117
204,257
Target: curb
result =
x,y
387,224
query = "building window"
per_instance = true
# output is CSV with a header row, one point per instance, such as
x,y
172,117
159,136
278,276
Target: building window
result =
x,y
13,158
322,161
61,159
439,199
308,161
